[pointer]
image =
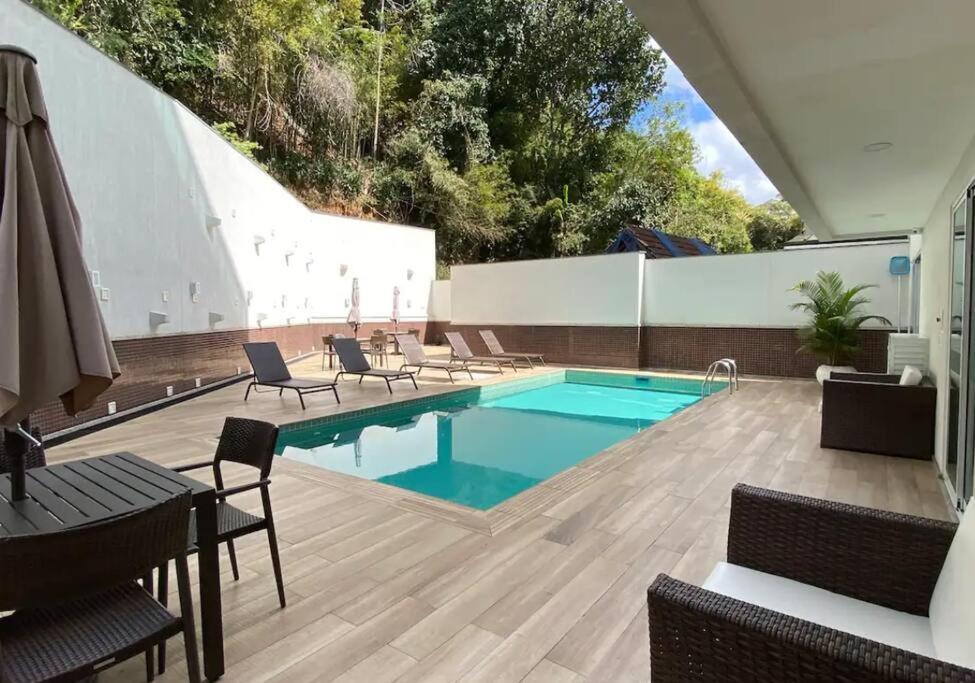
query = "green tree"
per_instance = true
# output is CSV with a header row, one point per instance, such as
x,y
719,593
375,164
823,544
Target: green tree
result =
x,y
773,224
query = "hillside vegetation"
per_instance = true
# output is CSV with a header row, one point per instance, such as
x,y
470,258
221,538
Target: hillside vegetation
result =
x,y
506,125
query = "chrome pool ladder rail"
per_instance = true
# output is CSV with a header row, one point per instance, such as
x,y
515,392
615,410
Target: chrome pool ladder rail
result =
x,y
727,364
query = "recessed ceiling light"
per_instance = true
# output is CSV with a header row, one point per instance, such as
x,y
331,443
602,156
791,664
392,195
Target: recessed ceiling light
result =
x,y
876,215
878,146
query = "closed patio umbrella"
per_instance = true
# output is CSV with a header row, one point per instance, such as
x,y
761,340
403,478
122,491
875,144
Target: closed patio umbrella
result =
x,y
394,316
53,341
355,318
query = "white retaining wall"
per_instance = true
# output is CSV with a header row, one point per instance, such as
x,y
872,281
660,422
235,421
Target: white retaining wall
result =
x,y
753,289
585,290
166,203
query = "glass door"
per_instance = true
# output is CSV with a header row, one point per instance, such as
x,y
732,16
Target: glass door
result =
x,y
960,446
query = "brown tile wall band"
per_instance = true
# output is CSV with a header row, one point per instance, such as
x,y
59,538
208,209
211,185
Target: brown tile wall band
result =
x,y
150,364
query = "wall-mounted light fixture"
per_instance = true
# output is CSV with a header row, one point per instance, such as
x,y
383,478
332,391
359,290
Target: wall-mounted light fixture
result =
x,y
157,318
213,222
284,301
287,257
195,290
261,317
215,318
409,273
343,269
309,262
250,296
258,241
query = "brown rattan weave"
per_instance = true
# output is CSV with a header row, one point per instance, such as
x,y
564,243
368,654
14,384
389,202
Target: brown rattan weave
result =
x,y
885,558
78,608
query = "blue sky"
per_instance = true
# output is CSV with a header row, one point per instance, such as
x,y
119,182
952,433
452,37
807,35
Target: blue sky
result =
x,y
718,148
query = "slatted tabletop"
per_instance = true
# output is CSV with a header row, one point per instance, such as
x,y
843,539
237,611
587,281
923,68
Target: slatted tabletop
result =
x,y
85,491
81,492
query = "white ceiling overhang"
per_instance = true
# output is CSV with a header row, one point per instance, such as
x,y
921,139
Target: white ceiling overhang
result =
x,y
806,86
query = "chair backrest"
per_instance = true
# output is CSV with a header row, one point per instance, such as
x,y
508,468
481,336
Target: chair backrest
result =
x,y
494,346
457,343
411,348
266,360
55,567
248,442
33,458
952,608
351,356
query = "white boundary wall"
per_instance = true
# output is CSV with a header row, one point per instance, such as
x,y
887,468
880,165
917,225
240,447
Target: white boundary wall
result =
x,y
584,290
166,203
752,290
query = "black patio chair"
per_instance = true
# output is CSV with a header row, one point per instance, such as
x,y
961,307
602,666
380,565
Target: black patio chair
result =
x,y
354,363
270,370
78,607
246,442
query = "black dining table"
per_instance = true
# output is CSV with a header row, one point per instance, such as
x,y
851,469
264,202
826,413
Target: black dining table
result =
x,y
79,492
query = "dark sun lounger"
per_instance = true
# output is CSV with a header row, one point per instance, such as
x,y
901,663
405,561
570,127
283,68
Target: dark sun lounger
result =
x,y
417,358
270,370
494,346
354,363
463,352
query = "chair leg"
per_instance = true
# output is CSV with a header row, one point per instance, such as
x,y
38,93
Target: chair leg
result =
x,y
450,376
280,391
336,392
162,595
189,625
361,377
301,399
272,541
150,668
413,379
469,373
248,392
389,387
233,557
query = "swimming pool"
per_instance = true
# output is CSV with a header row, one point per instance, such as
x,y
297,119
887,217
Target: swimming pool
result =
x,y
480,446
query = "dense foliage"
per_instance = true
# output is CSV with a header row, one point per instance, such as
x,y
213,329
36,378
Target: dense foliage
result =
x,y
835,316
506,125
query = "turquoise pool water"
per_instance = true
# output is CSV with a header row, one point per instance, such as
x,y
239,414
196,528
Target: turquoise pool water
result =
x,y
479,447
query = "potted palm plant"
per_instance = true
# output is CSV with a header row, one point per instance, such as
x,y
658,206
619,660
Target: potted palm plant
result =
x,y
832,332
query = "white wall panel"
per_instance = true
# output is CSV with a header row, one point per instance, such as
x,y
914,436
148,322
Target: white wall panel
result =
x,y
585,290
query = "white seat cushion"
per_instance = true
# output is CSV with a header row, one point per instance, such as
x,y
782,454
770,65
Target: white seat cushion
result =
x,y
911,376
952,607
898,629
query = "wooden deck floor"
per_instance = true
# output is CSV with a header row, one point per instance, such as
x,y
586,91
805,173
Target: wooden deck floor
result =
x,y
378,592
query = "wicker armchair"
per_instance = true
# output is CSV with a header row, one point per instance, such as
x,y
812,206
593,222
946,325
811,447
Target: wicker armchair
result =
x,y
78,607
878,557
246,442
874,413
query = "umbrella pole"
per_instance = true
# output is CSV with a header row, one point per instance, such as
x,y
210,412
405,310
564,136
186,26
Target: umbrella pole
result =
x,y
18,441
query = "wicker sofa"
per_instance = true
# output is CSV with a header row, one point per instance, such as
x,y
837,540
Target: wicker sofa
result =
x,y
874,413
890,564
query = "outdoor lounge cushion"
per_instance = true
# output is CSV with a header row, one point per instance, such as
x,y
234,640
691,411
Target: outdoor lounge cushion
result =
x,y
947,634
911,376
899,629
952,607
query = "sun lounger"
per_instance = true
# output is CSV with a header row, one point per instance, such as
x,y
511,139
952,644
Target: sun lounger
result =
x,y
495,348
417,358
270,370
354,363
463,352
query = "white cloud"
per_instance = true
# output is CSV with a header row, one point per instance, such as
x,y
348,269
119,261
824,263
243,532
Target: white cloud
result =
x,y
720,151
